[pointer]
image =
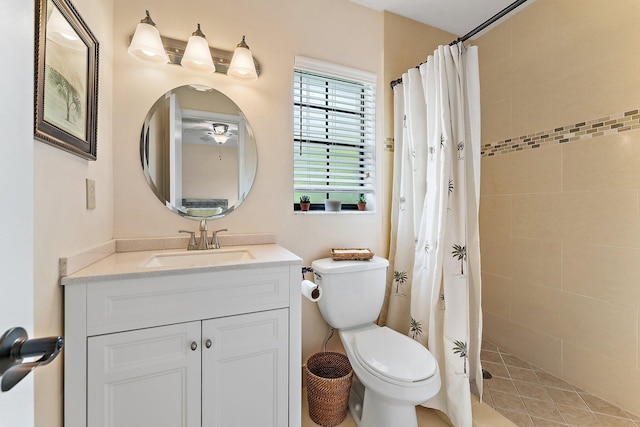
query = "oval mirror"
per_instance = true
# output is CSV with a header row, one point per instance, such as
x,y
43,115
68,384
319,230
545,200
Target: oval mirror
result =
x,y
198,152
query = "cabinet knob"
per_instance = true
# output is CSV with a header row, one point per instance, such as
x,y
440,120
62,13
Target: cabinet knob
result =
x,y
194,346
208,343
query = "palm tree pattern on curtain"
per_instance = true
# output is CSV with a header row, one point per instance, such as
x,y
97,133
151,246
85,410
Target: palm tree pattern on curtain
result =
x,y
461,350
460,252
461,150
415,328
400,278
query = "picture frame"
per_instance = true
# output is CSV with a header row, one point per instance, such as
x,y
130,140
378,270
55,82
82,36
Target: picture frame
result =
x,y
66,79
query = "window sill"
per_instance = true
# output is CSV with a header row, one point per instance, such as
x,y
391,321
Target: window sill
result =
x,y
345,212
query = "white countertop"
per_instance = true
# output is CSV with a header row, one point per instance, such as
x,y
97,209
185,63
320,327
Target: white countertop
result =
x,y
121,265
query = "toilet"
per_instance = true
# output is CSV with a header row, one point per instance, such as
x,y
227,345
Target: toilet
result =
x,y
394,372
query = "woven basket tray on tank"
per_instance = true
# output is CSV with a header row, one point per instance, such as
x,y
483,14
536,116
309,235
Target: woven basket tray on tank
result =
x,y
353,254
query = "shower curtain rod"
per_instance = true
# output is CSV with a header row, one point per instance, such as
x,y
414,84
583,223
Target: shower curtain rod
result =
x,y
475,31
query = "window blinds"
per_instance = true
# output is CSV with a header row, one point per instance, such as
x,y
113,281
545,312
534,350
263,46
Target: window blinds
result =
x,y
334,134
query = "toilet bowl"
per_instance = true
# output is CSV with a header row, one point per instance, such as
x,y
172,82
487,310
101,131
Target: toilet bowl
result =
x,y
396,372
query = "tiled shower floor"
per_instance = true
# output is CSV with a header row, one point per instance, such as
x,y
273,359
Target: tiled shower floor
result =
x,y
530,397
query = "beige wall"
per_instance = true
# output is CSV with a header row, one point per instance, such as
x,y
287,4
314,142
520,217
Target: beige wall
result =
x,y
560,234
62,224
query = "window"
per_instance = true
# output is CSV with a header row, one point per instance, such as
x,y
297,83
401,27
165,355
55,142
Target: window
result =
x,y
333,134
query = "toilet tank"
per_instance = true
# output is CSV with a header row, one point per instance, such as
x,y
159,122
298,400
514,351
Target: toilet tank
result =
x,y
352,291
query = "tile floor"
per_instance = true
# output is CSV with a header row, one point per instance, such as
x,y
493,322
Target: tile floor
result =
x,y
530,397
522,395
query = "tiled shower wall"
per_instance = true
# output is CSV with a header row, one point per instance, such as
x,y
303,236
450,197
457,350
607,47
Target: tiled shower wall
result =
x,y
560,191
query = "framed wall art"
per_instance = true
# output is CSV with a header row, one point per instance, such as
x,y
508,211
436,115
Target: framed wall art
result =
x,y
66,79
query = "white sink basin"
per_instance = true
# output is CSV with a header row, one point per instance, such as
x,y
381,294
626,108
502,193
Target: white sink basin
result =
x,y
198,258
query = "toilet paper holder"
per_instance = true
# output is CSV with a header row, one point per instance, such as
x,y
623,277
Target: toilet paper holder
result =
x,y
309,289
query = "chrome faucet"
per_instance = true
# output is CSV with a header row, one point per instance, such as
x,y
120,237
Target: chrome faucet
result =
x,y
214,239
203,243
204,239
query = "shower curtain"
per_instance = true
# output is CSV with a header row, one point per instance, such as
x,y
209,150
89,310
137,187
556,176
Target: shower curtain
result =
x,y
434,283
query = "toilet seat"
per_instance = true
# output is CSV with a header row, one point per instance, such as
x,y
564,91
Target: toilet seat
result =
x,y
393,356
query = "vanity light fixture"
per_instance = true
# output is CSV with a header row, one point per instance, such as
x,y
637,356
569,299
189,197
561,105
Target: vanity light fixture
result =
x,y
242,66
147,44
197,55
220,133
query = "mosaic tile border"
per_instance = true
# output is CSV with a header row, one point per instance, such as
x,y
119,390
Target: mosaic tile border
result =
x,y
615,123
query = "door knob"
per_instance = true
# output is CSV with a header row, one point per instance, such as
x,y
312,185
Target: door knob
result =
x,y
194,346
15,346
208,343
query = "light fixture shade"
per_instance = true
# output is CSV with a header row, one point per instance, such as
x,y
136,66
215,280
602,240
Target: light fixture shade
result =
x,y
221,139
242,65
197,55
146,43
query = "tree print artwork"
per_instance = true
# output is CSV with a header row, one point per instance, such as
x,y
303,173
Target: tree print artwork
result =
x,y
460,349
400,277
460,252
68,94
415,328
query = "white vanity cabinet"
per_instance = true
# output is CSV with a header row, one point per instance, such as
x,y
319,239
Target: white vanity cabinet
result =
x,y
214,347
233,370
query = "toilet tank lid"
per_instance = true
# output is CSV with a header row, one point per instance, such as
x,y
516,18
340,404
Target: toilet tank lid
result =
x,y
329,265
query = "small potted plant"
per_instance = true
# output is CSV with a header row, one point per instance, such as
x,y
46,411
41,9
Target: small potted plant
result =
x,y
305,202
362,202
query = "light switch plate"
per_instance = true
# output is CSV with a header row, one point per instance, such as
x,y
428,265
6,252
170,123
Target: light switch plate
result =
x,y
91,194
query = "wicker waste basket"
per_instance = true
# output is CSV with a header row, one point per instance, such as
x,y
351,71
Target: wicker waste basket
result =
x,y
328,375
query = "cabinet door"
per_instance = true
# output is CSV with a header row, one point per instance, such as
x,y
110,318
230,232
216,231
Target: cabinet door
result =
x,y
145,378
245,370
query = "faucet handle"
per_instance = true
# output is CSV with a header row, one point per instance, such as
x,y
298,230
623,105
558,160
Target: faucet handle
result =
x,y
192,241
214,238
